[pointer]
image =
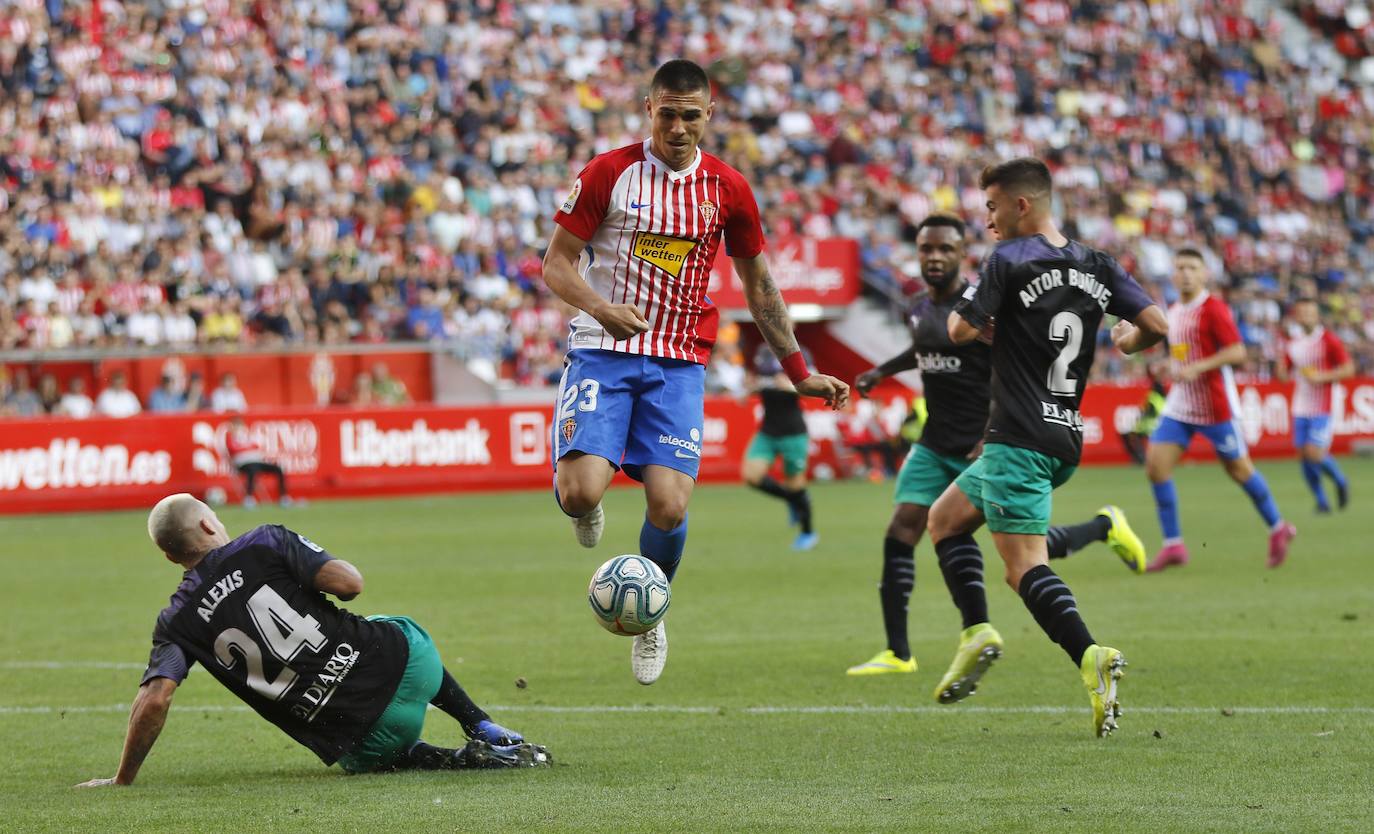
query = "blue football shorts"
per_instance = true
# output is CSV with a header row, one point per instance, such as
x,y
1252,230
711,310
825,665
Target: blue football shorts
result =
x,y
1312,431
1224,437
631,410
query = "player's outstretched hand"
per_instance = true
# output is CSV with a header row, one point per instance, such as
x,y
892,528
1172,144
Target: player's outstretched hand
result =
x,y
867,380
828,388
99,783
622,321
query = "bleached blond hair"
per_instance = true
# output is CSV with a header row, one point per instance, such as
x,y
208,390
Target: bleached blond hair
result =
x,y
172,523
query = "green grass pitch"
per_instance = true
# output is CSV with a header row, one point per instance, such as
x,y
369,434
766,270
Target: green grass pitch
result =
x,y
1247,702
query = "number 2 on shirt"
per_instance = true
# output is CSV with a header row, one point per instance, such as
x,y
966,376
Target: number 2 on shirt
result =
x,y
1065,327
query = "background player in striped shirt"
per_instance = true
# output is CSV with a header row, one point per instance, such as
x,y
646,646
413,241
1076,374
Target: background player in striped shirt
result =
x,y
1318,359
1204,343
633,250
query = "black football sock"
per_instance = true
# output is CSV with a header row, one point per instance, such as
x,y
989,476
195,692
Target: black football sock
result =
x,y
1072,538
425,756
962,564
798,499
454,701
801,503
1052,604
899,578
772,487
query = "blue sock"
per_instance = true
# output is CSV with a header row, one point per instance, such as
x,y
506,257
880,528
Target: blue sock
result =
x,y
1312,473
663,547
1259,493
1328,465
1166,504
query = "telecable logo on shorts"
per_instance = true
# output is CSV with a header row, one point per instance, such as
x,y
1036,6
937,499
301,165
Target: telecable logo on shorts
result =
x,y
688,445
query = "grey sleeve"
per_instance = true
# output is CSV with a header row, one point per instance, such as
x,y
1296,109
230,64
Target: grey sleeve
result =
x,y
981,303
1128,299
166,660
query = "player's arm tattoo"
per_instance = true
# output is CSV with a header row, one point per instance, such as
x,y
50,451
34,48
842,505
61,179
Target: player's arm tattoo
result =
x,y
146,719
766,305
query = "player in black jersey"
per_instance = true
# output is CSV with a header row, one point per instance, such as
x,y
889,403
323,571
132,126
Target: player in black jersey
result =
x,y
955,379
252,611
781,436
1046,295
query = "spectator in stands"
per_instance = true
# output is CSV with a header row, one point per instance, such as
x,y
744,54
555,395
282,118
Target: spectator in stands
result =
x,y
363,147
195,393
228,397
117,400
246,455
387,389
425,320
22,400
167,397
361,395
178,325
50,393
143,326
75,403
272,325
5,388
222,323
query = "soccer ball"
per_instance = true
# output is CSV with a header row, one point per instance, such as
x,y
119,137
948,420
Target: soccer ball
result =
x,y
628,595
215,496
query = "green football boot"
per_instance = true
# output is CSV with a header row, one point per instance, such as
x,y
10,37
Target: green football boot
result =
x,y
884,662
1101,668
1122,539
979,646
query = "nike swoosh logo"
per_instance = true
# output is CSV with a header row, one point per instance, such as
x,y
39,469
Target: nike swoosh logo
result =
x,y
683,454
640,205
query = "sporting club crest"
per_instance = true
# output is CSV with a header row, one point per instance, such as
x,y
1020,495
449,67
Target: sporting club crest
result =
x,y
708,211
569,428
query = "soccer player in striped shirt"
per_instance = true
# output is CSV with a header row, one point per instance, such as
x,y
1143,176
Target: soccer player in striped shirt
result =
x,y
633,249
1204,343
1318,359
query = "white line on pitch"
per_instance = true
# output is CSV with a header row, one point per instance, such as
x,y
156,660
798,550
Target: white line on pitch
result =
x,y
773,710
68,664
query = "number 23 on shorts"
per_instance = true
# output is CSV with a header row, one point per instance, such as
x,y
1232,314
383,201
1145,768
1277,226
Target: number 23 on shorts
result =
x,y
588,388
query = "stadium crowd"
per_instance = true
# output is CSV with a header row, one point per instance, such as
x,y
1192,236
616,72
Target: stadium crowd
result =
x,y
222,172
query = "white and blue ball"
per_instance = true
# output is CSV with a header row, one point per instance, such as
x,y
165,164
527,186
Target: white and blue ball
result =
x,y
629,595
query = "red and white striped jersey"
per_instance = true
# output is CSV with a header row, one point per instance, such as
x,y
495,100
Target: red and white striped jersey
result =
x,y
1320,350
652,236
1197,330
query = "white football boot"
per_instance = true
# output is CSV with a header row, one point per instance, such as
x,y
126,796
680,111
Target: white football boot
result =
x,y
589,527
649,653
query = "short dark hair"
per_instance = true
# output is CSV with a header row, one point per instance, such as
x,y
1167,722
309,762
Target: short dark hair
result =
x,y
1025,173
1189,252
943,218
681,76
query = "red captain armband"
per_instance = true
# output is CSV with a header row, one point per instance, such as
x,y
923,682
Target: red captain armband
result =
x,y
794,365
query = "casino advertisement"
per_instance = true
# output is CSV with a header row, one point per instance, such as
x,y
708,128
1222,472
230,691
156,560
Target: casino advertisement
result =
x,y
64,465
